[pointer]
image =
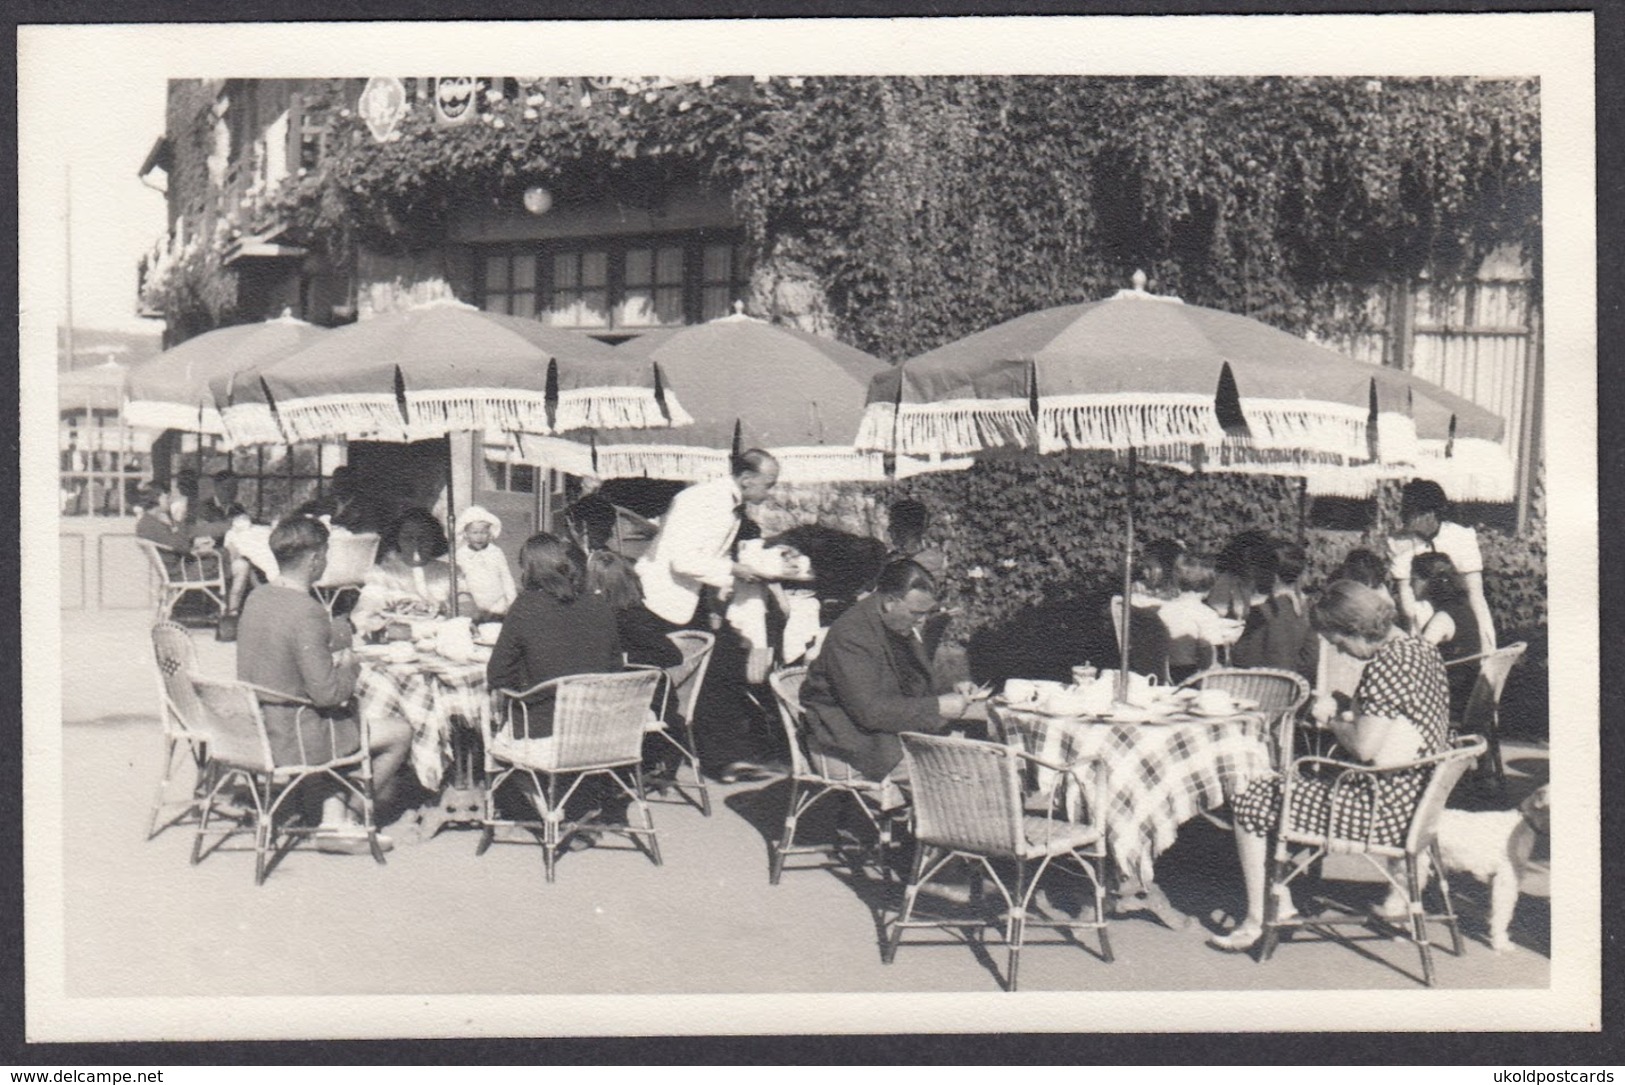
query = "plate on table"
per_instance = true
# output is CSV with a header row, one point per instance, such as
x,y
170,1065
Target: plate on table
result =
x,y
1124,713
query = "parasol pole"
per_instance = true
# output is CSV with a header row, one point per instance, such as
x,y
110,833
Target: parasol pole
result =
x,y
451,520
1121,694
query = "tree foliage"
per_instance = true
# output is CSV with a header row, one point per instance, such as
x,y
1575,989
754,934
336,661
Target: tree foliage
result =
x,y
932,207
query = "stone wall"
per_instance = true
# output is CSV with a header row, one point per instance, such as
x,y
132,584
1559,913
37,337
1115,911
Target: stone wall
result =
x,y
856,508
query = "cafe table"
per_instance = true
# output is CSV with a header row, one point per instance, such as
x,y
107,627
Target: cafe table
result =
x,y
448,705
1162,767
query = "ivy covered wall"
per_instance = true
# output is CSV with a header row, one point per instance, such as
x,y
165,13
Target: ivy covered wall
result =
x,y
927,208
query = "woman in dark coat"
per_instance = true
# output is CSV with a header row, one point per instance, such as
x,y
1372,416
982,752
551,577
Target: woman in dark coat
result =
x,y
555,628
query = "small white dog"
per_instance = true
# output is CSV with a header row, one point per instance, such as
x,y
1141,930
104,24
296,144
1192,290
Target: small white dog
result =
x,y
1493,846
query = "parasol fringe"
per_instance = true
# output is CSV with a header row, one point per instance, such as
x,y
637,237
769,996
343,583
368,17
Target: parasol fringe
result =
x,y
343,415
1124,422
1396,438
252,424
952,427
685,463
616,408
161,414
1477,470
1292,425
502,409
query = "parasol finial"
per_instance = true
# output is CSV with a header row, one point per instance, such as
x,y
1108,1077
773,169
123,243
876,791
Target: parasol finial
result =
x,y
1138,281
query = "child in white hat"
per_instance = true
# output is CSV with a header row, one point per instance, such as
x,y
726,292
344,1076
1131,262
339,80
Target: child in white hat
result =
x,y
486,578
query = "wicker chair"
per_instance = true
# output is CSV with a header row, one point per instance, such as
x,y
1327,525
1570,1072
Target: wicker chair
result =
x,y
968,805
240,752
180,715
599,722
348,559
1482,714
191,574
1280,696
813,776
681,691
1296,852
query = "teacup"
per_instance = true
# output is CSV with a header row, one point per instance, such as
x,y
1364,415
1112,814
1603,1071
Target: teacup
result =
x,y
1214,702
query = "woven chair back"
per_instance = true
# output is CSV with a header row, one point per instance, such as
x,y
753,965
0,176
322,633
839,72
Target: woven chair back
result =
x,y
787,695
176,658
599,719
233,723
1483,702
966,794
688,676
1447,773
348,559
1280,694
155,559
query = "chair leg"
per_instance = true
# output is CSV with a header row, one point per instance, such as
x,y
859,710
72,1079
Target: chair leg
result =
x,y
369,814
170,743
1275,866
1448,915
550,827
787,839
922,854
1492,737
264,834
648,815
1100,915
691,754
1015,928
203,828
1419,920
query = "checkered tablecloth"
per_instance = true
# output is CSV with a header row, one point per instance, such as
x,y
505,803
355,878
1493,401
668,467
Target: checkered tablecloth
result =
x,y
430,698
1158,776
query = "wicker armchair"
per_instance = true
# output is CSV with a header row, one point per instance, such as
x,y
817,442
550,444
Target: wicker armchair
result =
x,y
240,752
599,722
180,715
202,573
1482,714
968,805
813,776
681,691
1280,695
1296,852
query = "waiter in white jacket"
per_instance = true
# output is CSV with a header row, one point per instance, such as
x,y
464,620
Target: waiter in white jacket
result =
x,y
693,551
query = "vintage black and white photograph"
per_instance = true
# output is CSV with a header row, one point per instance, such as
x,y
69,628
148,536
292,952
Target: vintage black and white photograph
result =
x,y
1076,524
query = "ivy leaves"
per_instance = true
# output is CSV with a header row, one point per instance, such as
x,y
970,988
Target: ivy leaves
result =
x,y
932,207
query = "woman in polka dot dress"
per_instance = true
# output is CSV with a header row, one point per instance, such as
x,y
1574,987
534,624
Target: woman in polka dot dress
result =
x,y
1400,712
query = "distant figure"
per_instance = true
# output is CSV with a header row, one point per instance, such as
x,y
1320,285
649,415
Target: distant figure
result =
x,y
1422,508
1278,634
412,578
1195,630
643,635
184,554
486,580
1452,627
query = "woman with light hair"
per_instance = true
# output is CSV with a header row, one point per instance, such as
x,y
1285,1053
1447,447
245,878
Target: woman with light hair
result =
x,y
1399,713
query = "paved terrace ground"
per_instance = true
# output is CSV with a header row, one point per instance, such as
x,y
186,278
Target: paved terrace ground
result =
x,y
141,921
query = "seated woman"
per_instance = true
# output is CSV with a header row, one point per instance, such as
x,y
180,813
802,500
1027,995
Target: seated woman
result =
x,y
1277,633
412,578
1452,626
1398,715
555,628
643,635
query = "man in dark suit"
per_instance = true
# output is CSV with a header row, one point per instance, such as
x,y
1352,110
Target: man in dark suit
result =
x,y
872,678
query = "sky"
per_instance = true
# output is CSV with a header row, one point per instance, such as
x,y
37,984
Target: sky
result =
x,y
115,217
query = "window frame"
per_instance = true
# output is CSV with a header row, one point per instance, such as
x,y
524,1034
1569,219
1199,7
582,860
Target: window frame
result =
x,y
692,242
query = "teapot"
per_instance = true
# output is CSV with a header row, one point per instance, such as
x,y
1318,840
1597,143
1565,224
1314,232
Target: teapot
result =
x,y
1142,689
